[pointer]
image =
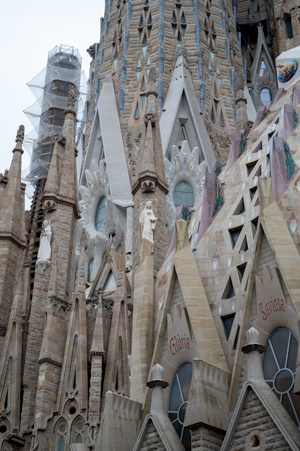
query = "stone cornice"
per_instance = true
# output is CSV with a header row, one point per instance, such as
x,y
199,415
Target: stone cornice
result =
x,y
12,237
149,176
59,199
70,111
100,353
47,360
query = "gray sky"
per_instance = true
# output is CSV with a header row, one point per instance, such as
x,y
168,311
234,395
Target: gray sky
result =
x,y
28,30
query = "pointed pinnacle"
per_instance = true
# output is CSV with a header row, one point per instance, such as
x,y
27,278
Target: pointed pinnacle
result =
x,y
72,97
20,137
122,265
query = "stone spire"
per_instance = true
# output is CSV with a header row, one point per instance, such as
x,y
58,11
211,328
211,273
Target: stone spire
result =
x,y
12,226
241,102
150,184
97,355
117,374
11,356
12,205
122,264
61,180
150,169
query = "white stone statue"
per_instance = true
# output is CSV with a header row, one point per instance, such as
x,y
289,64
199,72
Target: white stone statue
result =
x,y
148,222
44,253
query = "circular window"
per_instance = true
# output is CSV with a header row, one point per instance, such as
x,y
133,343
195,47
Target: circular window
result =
x,y
100,213
279,367
265,96
178,402
3,428
79,427
62,429
255,442
90,270
183,195
72,410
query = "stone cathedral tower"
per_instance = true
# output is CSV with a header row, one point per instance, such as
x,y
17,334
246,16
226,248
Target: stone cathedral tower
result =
x,y
157,307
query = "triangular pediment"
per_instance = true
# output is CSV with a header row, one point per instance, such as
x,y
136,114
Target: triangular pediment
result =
x,y
181,103
262,54
261,417
106,141
158,430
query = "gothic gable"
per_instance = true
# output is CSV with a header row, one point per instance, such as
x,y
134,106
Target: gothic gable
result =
x,y
158,433
259,421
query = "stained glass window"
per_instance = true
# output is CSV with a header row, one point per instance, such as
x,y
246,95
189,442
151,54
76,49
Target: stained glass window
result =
x,y
100,213
265,96
183,195
279,367
61,444
178,403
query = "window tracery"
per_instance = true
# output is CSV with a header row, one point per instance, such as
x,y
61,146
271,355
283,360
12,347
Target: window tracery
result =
x,y
279,368
178,402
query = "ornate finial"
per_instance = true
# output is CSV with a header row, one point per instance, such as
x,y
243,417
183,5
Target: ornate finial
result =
x,y
253,341
181,51
20,135
157,380
72,97
157,371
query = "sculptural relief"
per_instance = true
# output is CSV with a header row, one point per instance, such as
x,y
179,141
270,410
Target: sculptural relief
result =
x,y
148,222
287,70
44,253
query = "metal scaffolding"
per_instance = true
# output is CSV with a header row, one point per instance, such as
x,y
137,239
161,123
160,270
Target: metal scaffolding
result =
x,y
51,88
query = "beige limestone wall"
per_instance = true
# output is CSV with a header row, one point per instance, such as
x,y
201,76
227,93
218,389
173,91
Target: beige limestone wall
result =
x,y
205,439
254,417
35,337
8,269
152,440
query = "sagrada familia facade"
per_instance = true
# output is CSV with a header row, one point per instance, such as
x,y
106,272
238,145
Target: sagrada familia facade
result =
x,y
150,298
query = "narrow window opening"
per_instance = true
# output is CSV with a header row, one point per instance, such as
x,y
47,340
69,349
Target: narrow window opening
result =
x,y
244,246
254,226
240,208
250,167
253,192
229,290
234,234
137,112
227,323
241,270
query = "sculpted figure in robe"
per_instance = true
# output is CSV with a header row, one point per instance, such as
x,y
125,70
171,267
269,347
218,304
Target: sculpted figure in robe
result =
x,y
44,253
148,222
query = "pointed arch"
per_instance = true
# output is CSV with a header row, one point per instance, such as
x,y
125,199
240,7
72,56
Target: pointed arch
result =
x,y
77,430
60,433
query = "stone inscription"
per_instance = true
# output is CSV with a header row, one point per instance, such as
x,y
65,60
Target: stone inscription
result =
x,y
277,305
178,343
